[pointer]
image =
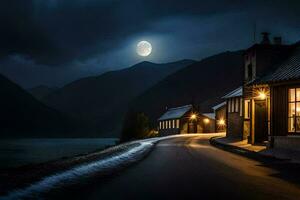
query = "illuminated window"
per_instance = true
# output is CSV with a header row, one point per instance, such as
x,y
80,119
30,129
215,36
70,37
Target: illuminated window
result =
x,y
173,126
247,109
159,125
177,123
163,125
294,110
269,116
166,124
170,124
229,106
237,105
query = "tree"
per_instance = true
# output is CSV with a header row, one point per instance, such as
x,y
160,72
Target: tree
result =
x,y
136,126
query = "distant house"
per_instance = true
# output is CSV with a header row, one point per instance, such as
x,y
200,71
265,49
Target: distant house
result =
x,y
208,122
220,111
184,119
234,113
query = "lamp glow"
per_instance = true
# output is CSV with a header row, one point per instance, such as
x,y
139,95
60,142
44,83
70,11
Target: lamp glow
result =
x,y
221,122
262,95
206,120
193,116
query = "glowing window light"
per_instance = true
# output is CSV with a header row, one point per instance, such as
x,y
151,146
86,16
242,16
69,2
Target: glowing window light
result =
x,y
177,123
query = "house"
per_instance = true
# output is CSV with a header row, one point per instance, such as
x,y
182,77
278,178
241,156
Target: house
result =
x,y
276,116
220,111
266,109
184,119
260,59
234,114
208,120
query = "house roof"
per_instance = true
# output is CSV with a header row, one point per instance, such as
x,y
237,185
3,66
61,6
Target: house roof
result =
x,y
235,93
287,70
209,115
175,113
216,107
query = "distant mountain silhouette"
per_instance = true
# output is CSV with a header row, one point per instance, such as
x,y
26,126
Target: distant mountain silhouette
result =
x,y
202,83
103,100
42,91
24,116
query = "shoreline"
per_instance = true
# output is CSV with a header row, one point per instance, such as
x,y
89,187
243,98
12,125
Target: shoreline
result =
x,y
37,179
22,176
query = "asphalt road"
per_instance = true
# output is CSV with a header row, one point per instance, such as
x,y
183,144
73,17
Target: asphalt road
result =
x,y
190,168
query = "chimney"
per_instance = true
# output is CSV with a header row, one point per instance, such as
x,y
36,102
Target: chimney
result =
x,y
265,38
277,40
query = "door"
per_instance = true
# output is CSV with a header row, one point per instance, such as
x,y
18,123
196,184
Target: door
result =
x,y
261,121
192,128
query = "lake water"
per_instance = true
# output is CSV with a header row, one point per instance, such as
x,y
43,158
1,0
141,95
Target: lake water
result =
x,y
19,152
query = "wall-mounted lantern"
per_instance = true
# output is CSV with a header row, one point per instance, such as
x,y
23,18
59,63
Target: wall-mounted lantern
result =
x,y
262,95
221,122
193,117
206,121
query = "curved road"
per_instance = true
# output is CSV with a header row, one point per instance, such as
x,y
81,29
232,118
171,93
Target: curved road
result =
x,y
190,168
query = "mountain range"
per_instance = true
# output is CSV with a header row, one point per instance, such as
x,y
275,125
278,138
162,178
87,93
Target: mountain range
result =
x,y
42,91
97,106
201,83
24,116
103,100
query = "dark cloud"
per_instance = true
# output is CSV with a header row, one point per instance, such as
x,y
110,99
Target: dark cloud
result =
x,y
61,33
53,32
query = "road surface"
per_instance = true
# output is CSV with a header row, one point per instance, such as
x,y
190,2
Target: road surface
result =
x,y
190,168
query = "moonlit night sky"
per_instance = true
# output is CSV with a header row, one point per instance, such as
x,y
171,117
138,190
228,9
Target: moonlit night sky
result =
x,y
53,42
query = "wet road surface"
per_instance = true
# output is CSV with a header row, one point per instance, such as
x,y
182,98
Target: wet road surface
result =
x,y
190,168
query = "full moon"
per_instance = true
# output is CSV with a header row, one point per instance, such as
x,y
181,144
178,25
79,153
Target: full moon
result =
x,y
144,48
